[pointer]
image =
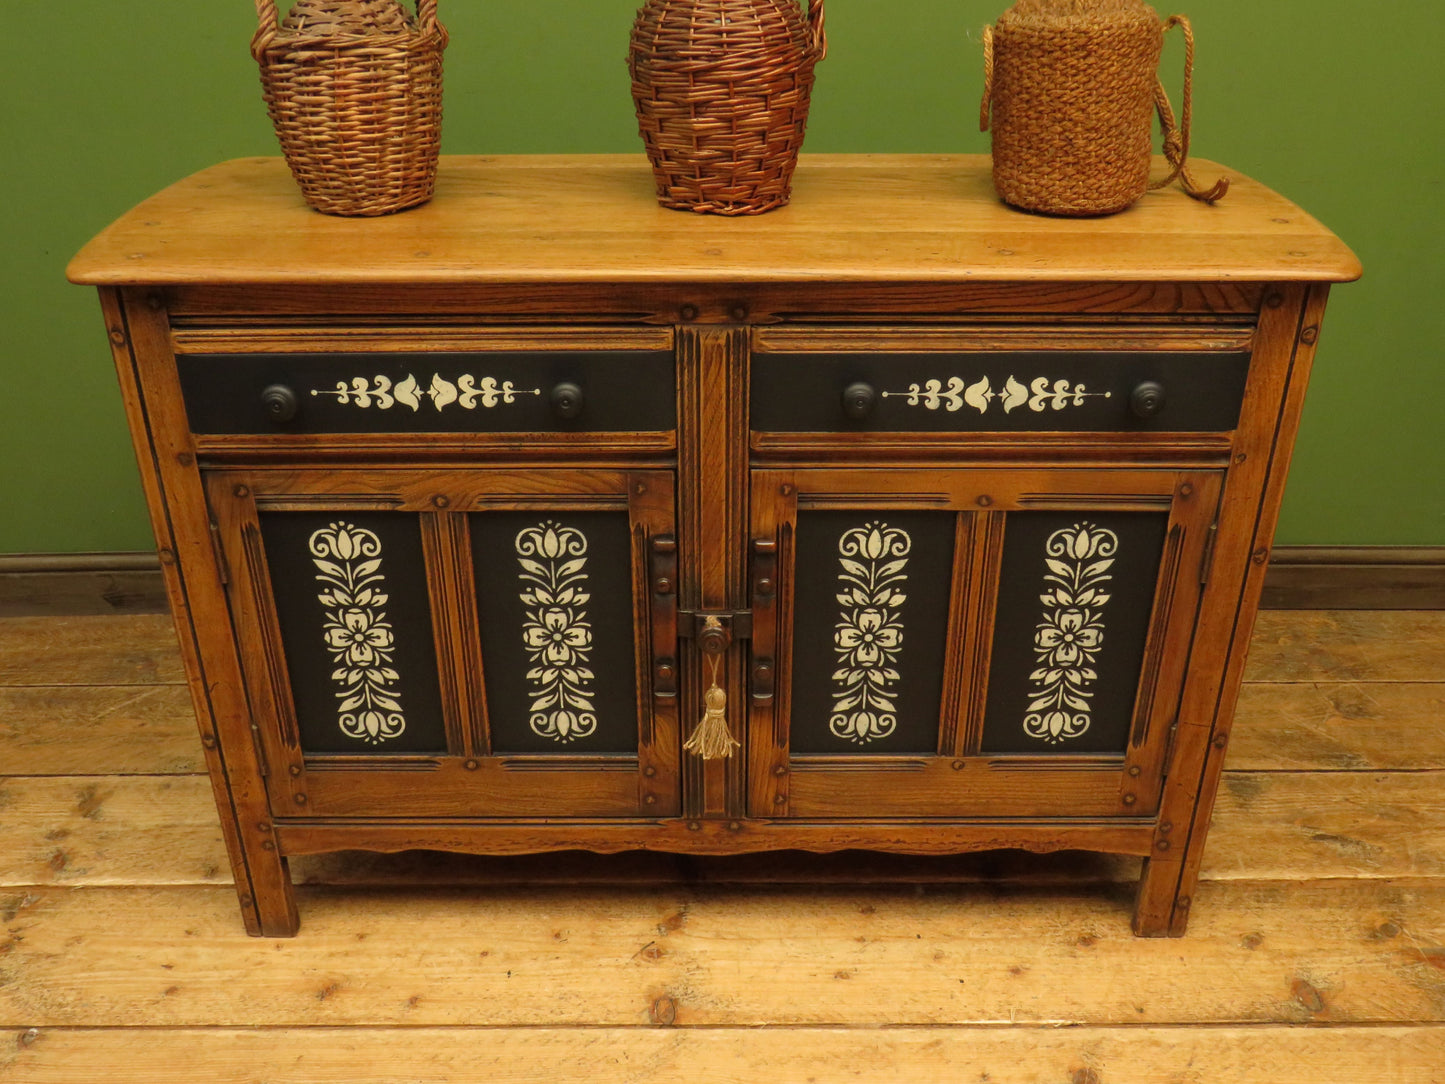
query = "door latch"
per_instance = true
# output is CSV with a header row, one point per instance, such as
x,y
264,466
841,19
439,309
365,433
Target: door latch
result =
x,y
711,627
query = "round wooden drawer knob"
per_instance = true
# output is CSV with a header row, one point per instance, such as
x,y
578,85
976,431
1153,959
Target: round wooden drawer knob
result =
x,y
1147,399
859,400
567,402
280,404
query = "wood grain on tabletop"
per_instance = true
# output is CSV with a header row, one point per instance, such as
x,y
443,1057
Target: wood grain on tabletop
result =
x,y
873,217
1361,951
1024,1055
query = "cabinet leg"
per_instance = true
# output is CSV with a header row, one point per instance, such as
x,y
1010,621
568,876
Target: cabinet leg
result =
x,y
1159,909
269,904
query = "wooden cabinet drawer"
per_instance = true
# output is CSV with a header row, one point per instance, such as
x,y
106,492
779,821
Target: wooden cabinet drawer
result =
x,y
1015,391
510,391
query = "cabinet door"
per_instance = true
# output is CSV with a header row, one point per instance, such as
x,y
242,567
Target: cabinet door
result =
x,y
437,643
972,643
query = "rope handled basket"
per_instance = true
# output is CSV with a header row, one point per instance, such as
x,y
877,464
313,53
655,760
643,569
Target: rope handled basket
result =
x,y
1070,90
354,89
722,90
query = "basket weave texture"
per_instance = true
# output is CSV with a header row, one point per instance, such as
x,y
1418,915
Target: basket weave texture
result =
x,y
1072,89
722,90
354,89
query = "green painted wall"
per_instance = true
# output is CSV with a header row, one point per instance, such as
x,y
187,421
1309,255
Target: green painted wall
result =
x,y
1335,103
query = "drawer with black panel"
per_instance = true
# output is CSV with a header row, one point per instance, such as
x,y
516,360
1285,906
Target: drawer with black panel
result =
x,y
853,382
481,643
266,391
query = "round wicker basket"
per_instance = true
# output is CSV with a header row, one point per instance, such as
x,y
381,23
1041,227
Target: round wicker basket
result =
x,y
1072,86
354,89
722,90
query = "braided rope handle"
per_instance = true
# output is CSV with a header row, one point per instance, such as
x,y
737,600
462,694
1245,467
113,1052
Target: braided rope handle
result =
x,y
268,24
1176,135
985,111
426,19
819,39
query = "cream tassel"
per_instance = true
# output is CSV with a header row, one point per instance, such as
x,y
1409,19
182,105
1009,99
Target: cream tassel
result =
x,y
711,739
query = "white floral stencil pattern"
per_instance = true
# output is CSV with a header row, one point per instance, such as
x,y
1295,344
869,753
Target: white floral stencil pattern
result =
x,y
1039,395
358,635
869,635
1070,635
467,392
556,631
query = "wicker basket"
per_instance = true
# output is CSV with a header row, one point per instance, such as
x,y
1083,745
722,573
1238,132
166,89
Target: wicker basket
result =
x,y
722,90
354,88
1072,86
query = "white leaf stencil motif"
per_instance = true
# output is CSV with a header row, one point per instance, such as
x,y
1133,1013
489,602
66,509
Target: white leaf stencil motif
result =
x,y
556,632
1040,394
467,392
358,635
1070,635
868,638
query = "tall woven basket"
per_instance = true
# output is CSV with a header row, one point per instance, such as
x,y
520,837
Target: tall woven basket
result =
x,y
722,90
1071,87
354,88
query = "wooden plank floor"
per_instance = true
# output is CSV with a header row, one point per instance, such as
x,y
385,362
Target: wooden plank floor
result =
x,y
1316,950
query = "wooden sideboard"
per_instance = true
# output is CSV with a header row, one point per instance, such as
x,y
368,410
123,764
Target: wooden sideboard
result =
x,y
462,510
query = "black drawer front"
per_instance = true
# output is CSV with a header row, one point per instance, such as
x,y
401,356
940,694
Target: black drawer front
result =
x,y
1026,392
493,392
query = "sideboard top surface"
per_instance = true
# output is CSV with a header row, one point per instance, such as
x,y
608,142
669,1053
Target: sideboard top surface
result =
x,y
594,219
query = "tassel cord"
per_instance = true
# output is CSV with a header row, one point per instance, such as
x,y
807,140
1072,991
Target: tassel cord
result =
x,y
711,739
